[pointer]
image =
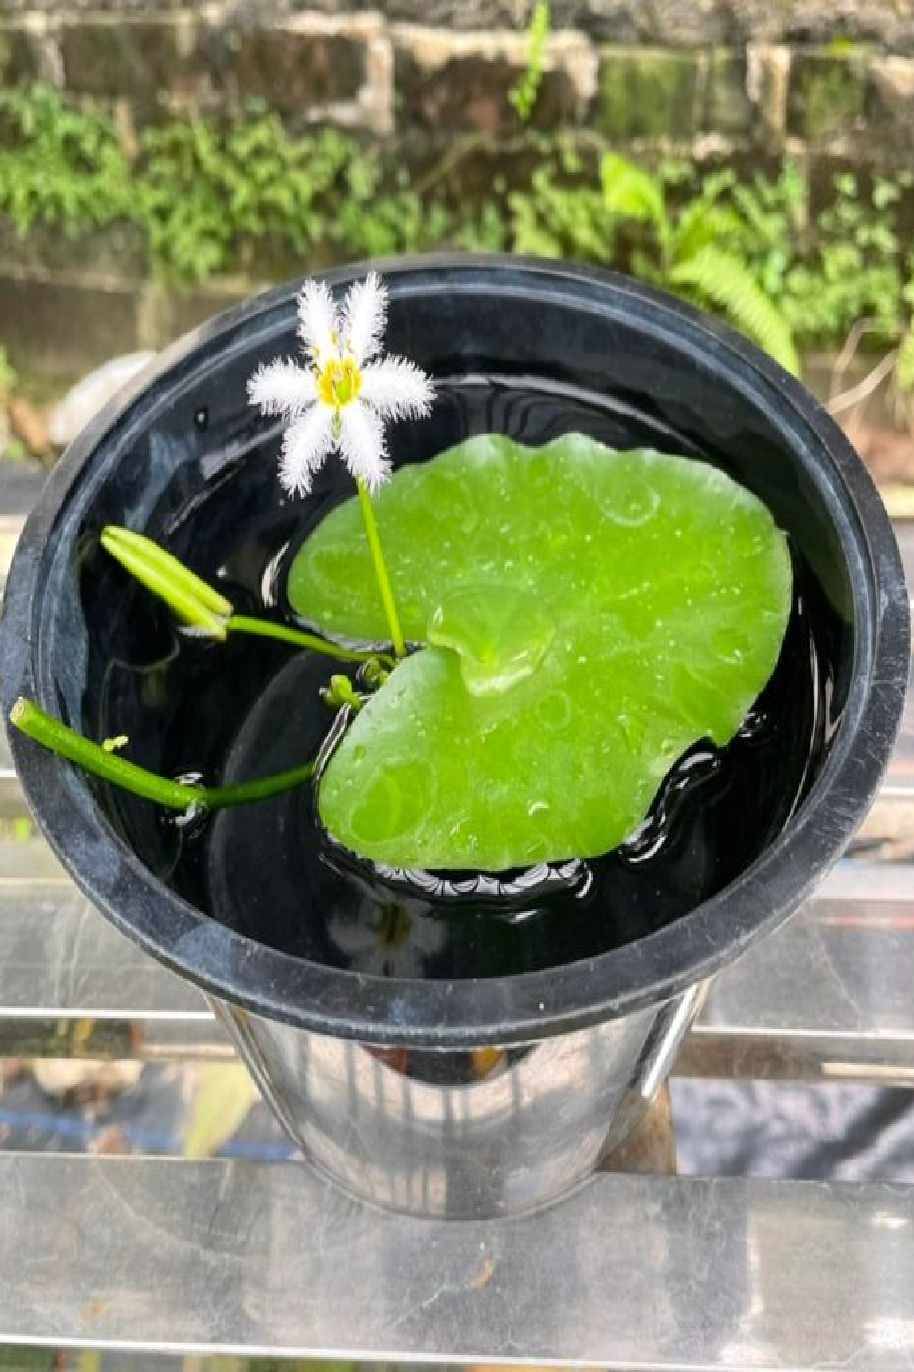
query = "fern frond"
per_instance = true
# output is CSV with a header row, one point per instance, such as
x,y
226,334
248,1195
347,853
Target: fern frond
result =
x,y
553,220
631,192
700,224
764,223
724,281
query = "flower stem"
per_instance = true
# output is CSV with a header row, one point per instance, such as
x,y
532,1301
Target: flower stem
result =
x,y
261,788
265,628
380,568
30,719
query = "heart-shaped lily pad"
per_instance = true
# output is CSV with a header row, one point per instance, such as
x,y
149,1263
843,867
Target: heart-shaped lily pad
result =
x,y
590,614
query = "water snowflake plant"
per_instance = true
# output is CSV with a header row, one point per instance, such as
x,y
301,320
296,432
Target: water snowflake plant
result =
x,y
578,618
339,401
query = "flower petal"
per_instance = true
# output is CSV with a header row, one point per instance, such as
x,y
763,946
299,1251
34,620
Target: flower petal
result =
x,y
317,317
397,388
365,317
305,444
362,444
282,388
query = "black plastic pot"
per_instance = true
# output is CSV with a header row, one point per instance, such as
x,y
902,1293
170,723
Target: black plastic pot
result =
x,y
696,386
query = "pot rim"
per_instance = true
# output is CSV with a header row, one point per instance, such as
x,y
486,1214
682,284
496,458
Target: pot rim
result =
x,y
450,1014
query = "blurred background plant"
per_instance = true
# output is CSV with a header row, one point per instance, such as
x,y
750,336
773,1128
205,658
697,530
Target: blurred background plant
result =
x,y
219,196
230,200
214,197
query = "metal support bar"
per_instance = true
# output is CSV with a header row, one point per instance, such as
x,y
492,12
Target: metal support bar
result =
x,y
632,1271
826,997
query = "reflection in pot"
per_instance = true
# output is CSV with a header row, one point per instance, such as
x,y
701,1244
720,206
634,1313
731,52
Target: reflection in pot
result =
x,y
424,1132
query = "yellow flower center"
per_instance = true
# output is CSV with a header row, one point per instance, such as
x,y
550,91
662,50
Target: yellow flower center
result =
x,y
339,381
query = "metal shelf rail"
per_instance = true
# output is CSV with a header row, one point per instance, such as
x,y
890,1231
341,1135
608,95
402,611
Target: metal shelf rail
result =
x,y
143,1255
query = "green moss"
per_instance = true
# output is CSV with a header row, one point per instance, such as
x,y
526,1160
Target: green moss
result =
x,y
841,46
648,94
827,94
727,107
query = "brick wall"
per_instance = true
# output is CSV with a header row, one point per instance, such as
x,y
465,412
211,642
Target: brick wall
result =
x,y
823,79
834,76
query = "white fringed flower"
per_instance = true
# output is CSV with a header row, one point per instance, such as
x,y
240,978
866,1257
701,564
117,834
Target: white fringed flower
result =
x,y
339,401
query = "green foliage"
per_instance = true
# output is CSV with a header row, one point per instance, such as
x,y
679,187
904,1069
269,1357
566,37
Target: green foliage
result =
x,y
207,194
553,220
848,269
375,221
695,248
854,272
561,213
523,96
486,231
904,368
206,189
632,192
548,665
59,165
724,280
775,215
251,195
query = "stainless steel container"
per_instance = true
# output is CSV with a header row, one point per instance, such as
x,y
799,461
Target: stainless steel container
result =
x,y
480,1131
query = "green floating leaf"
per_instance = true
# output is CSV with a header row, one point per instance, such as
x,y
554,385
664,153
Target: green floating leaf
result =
x,y
589,615
500,634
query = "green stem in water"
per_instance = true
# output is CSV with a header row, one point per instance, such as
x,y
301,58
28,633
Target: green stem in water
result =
x,y
30,719
380,568
261,788
264,628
